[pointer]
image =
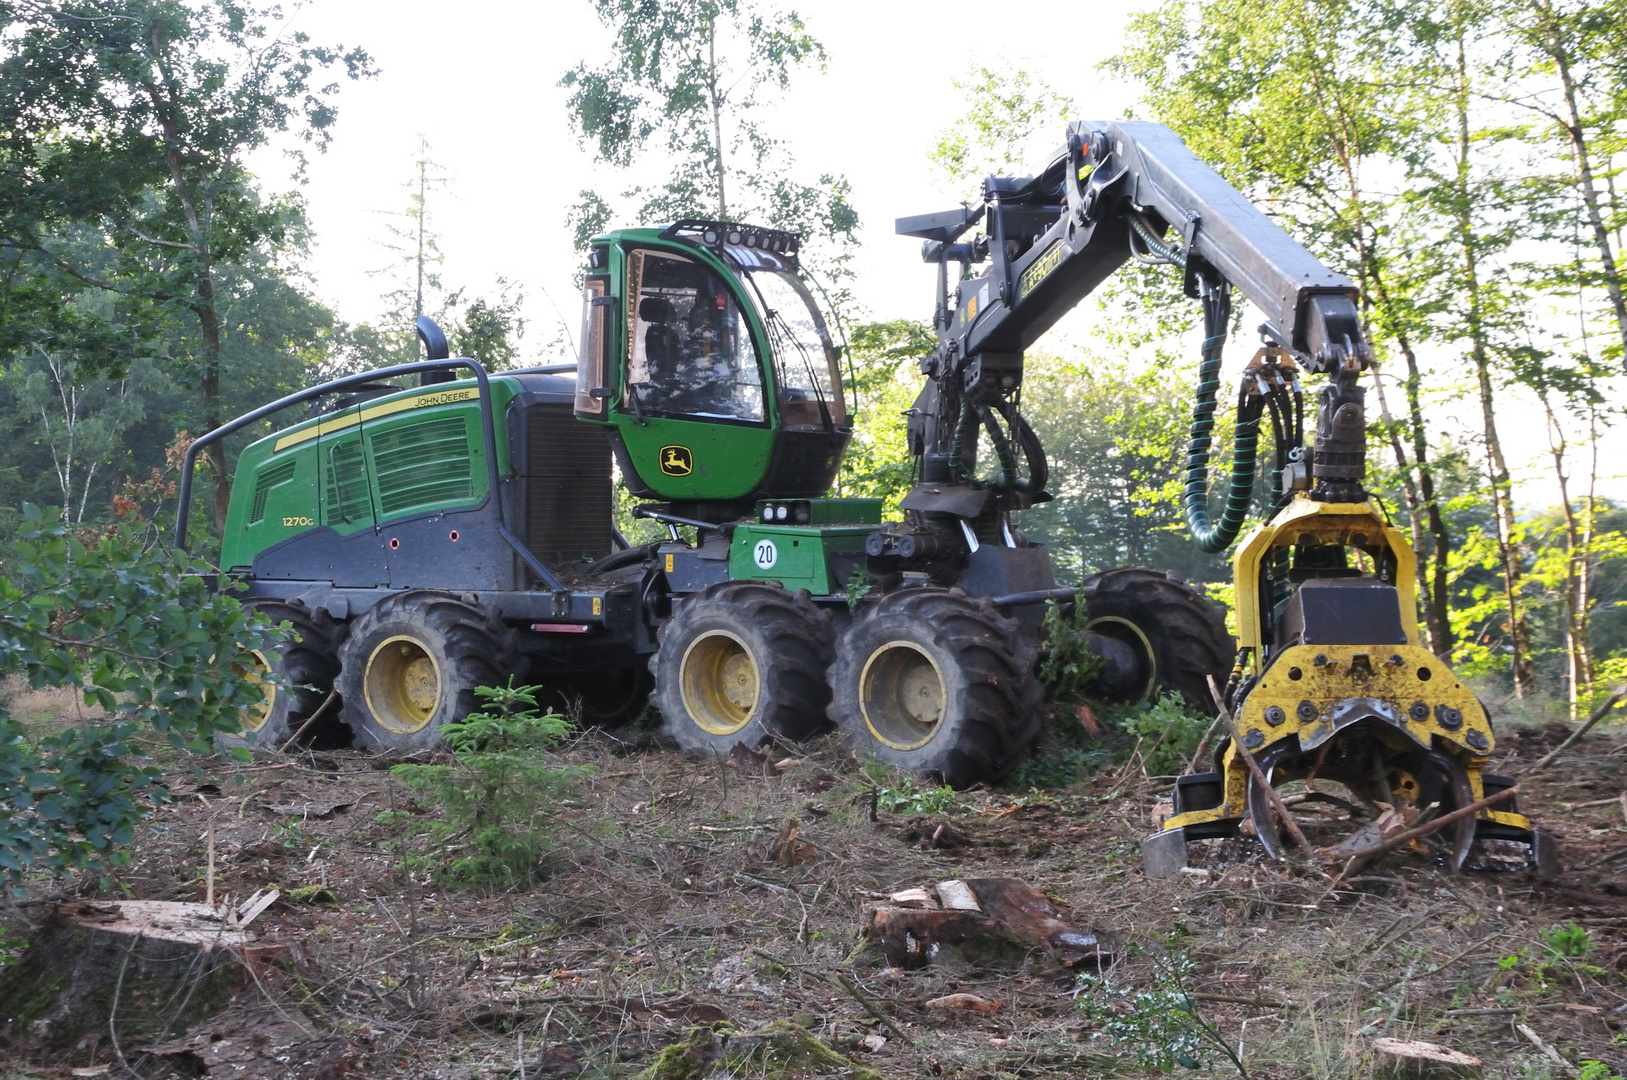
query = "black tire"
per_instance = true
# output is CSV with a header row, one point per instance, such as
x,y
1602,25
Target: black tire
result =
x,y
1181,635
303,666
743,662
937,684
411,663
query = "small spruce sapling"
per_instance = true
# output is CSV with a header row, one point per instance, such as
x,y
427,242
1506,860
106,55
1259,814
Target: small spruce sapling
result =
x,y
496,794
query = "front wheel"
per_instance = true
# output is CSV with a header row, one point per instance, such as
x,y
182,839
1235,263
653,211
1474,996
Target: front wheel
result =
x,y
295,675
742,662
937,684
411,664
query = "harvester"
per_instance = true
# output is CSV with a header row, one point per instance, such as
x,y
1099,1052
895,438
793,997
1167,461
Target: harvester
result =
x,y
427,539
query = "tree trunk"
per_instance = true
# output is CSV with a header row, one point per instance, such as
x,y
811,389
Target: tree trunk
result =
x,y
128,971
1502,492
717,117
1573,543
1558,51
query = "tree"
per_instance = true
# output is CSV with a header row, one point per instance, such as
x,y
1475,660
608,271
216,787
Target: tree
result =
x,y
682,95
1010,119
135,118
1289,100
886,378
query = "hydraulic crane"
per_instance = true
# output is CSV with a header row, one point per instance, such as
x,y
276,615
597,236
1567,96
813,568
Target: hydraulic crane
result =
x,y
1329,681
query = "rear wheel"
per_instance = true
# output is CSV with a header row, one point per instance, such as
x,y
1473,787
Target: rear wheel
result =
x,y
938,684
743,662
411,664
296,674
1178,636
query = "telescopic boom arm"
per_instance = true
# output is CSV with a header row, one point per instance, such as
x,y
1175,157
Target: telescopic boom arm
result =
x,y
1120,191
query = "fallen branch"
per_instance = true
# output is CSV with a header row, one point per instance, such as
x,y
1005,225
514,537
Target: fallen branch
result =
x,y
1255,770
320,709
1598,714
1425,830
1547,1050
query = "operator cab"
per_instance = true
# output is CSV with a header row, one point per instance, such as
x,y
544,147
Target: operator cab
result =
x,y
703,349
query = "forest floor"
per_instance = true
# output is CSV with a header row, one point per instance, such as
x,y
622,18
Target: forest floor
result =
x,y
669,913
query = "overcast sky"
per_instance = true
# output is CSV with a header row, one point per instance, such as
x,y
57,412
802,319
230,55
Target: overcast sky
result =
x,y
479,80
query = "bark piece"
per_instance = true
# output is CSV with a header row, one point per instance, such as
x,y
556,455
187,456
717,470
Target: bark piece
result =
x,y
964,1002
150,969
1409,1059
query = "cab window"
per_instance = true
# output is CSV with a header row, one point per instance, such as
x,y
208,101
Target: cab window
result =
x,y
689,349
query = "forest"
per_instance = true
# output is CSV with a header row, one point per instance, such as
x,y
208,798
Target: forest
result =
x,y
590,901
1460,165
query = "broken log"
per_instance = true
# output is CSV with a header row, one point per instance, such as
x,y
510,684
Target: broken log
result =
x,y
1410,1059
133,971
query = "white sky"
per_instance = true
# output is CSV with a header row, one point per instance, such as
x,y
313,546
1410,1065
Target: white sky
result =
x,y
479,80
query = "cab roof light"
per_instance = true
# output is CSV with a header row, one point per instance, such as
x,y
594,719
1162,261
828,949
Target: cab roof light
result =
x,y
719,234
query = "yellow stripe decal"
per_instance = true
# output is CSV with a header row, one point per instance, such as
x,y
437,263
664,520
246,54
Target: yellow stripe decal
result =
x,y
417,401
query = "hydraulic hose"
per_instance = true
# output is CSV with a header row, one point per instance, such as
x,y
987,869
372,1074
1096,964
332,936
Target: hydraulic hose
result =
x,y
1240,493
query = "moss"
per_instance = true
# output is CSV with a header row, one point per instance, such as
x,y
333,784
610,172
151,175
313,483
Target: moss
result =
x,y
310,894
781,1049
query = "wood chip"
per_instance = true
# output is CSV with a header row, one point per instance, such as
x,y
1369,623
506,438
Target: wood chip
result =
x,y
956,896
964,1003
913,898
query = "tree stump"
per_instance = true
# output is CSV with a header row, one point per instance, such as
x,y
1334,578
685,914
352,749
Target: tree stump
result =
x,y
1407,1059
140,970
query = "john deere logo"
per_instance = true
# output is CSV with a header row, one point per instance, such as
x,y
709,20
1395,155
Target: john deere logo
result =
x,y
676,461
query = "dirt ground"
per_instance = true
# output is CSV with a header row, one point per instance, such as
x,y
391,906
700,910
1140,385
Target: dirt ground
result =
x,y
670,915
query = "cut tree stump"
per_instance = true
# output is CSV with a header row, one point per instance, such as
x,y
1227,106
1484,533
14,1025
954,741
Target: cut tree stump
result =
x,y
1000,919
140,970
1408,1059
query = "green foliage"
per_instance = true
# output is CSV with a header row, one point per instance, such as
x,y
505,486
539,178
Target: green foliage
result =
x,y
1570,941
681,100
908,799
137,630
496,795
1010,120
1068,669
900,793
1160,1025
886,378
1060,768
1168,731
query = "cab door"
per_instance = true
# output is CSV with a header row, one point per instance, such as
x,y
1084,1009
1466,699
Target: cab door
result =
x,y
693,411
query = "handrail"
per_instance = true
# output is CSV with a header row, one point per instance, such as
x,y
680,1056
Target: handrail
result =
x,y
487,430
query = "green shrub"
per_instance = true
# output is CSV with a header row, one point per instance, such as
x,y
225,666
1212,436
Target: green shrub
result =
x,y
1168,730
1068,670
135,628
496,794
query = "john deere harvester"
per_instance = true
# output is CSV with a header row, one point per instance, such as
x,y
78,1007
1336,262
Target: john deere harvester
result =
x,y
426,539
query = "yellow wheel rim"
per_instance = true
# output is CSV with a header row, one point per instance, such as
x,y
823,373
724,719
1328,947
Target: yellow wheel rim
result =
x,y
403,685
1118,627
901,695
719,682
256,718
